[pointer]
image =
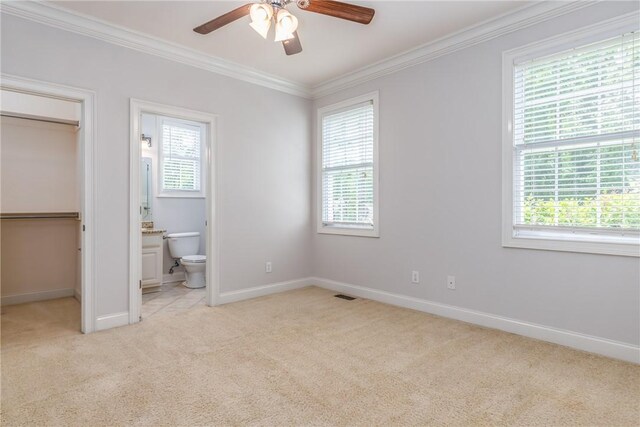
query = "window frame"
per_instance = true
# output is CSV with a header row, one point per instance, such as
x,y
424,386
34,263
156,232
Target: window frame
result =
x,y
189,194
322,228
573,239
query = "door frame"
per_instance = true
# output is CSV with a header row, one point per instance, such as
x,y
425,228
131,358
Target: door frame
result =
x,y
138,107
88,145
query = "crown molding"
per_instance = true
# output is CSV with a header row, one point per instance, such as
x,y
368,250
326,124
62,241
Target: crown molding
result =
x,y
478,33
58,17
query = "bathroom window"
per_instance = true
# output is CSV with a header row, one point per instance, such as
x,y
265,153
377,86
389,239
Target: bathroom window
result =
x,y
181,153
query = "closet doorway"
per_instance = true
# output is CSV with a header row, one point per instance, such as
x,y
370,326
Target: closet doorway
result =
x,y
46,209
173,234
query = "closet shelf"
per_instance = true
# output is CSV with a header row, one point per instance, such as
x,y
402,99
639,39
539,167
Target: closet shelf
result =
x,y
41,215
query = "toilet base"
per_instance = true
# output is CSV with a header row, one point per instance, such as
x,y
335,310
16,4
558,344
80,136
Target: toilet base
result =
x,y
194,273
191,286
195,279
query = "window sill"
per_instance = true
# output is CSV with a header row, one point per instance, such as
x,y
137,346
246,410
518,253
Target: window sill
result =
x,y
627,248
185,195
348,231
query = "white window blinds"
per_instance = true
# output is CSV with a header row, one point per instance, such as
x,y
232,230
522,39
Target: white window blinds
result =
x,y
181,152
576,127
348,167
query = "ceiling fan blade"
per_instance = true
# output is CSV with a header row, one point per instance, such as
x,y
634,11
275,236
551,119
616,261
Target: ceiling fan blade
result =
x,y
223,20
350,12
292,46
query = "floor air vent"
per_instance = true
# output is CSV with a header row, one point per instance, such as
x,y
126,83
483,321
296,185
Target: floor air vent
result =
x,y
347,297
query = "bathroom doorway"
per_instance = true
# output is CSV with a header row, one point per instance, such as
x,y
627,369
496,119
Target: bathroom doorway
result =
x,y
47,210
173,238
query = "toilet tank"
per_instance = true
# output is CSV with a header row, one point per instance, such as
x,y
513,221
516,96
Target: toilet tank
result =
x,y
183,244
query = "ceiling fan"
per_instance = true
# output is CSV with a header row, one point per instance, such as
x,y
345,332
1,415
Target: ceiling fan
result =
x,y
265,12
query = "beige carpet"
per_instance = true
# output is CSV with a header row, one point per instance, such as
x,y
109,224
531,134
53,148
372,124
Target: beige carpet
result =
x,y
307,358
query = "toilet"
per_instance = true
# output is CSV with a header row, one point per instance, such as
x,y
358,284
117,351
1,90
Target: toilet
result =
x,y
184,247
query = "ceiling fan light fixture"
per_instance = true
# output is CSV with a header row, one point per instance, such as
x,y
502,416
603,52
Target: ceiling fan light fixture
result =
x,y
261,28
286,25
282,35
287,21
264,13
261,12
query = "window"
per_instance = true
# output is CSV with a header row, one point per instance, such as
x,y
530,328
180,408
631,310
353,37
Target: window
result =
x,y
181,151
348,166
572,148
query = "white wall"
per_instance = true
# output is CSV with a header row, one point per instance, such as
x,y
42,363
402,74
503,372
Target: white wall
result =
x,y
38,174
440,208
263,170
38,257
38,166
174,214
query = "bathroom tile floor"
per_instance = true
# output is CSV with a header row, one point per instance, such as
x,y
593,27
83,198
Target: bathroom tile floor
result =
x,y
171,298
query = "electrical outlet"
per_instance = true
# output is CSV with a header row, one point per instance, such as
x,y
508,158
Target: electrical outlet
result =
x,y
267,267
451,282
415,277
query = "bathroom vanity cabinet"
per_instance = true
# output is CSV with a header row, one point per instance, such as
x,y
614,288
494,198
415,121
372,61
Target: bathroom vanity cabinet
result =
x,y
151,260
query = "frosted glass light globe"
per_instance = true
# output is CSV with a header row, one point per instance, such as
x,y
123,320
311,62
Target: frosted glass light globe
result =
x,y
287,21
260,12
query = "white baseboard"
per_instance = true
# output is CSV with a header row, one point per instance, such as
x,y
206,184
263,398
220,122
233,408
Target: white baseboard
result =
x,y
259,291
605,347
175,277
602,346
112,321
37,296
77,295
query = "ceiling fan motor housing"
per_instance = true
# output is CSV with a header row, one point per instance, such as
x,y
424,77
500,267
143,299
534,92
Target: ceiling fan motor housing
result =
x,y
278,3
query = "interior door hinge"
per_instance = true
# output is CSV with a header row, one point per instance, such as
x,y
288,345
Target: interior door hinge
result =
x,y
140,283
83,227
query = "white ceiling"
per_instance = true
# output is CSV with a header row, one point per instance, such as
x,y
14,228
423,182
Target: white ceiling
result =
x,y
332,46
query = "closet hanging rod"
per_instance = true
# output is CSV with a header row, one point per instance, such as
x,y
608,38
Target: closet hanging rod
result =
x,y
41,119
41,215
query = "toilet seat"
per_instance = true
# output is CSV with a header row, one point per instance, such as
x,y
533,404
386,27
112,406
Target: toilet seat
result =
x,y
195,258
